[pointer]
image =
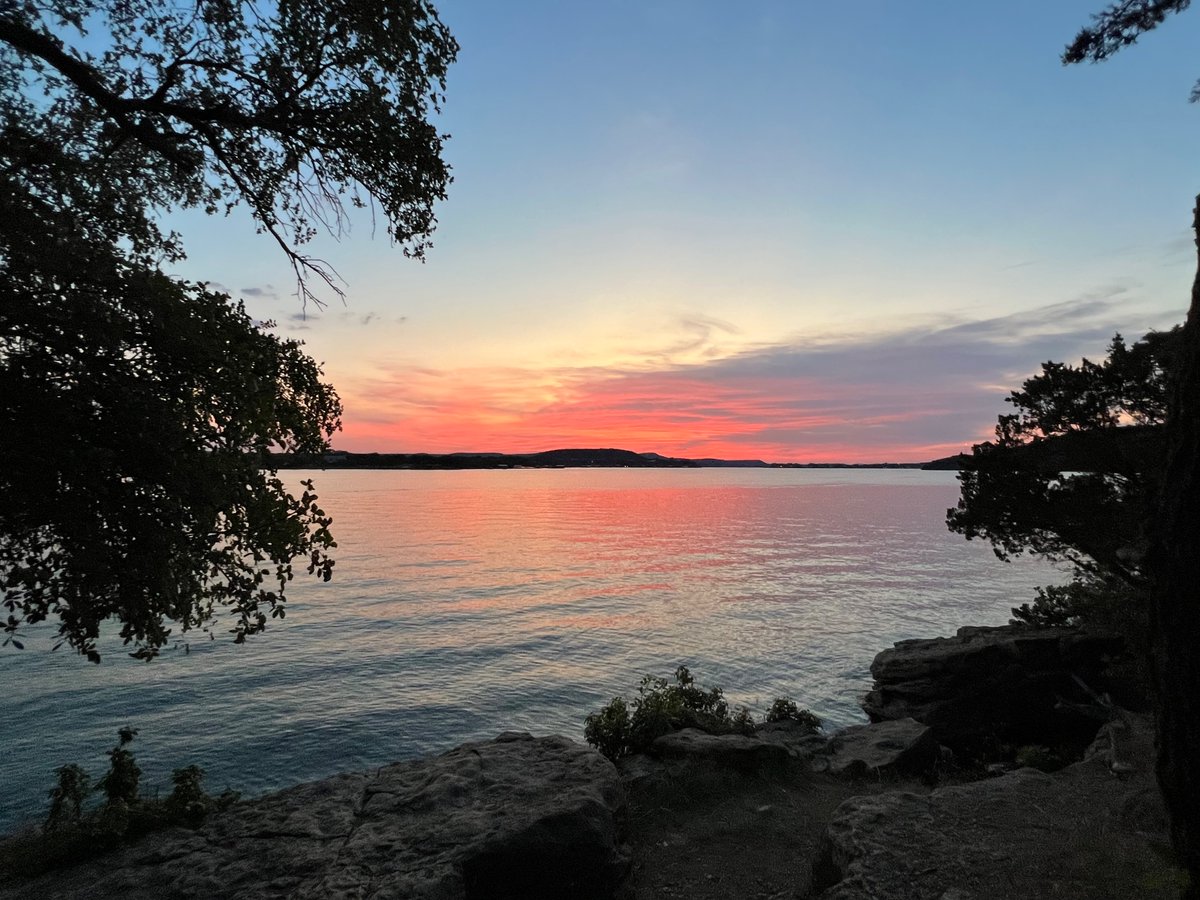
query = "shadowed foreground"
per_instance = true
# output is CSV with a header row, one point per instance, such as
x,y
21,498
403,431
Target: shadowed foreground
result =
x,y
547,818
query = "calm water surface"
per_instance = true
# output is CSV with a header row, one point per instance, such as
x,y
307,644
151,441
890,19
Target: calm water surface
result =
x,y
466,603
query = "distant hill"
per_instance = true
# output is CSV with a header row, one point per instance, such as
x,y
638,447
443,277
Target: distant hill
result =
x,y
947,462
549,459
1125,448
610,458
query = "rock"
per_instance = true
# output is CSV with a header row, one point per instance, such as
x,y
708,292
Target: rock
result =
x,y
639,771
902,746
987,686
800,740
1002,837
733,751
518,817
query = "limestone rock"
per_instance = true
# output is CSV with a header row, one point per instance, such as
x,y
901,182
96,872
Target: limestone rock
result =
x,y
801,740
734,751
514,817
1003,837
987,685
900,746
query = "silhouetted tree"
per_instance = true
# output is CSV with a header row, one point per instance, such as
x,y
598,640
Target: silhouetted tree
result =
x,y
1173,562
1073,473
138,408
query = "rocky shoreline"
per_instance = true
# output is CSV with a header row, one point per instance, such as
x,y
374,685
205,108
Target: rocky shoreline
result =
x,y
895,808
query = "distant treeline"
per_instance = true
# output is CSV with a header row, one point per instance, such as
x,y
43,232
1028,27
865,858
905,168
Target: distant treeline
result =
x,y
549,459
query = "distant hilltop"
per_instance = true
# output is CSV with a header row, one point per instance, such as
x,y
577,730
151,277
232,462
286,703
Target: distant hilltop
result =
x,y
548,459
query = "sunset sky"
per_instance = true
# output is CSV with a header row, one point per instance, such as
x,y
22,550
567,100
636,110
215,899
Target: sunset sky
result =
x,y
790,230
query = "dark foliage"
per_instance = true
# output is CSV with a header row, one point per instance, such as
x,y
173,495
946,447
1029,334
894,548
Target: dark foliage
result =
x,y
1074,473
294,109
140,409
663,706
1120,25
75,832
1172,563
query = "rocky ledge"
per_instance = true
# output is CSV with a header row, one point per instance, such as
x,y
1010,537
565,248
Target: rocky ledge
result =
x,y
517,817
989,686
1094,829
879,810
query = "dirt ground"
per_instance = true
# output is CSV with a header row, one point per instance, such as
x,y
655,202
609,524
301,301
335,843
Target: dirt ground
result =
x,y
704,836
699,835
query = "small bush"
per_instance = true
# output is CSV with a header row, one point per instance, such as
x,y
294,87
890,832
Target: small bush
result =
x,y
73,833
784,709
1107,604
66,800
121,782
608,730
742,721
662,706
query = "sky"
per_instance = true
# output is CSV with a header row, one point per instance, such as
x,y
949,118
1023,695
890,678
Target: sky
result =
x,y
792,231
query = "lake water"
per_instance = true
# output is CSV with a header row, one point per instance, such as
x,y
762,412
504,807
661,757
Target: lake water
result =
x,y
466,603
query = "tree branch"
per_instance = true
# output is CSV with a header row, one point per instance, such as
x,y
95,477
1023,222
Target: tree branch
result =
x,y
84,77
1119,26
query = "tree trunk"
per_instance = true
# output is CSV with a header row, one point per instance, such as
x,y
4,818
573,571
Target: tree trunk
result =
x,y
1175,602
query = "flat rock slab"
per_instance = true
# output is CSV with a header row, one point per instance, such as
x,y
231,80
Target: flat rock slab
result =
x,y
1026,834
517,817
736,751
800,740
901,746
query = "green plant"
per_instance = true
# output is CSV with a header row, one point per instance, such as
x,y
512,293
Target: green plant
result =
x,y
784,709
120,784
136,481
1107,604
742,721
608,730
661,706
73,833
66,800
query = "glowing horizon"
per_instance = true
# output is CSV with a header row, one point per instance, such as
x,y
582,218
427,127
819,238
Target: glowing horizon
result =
x,y
907,395
795,233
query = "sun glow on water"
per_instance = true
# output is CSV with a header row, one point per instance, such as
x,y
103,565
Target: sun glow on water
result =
x,y
466,603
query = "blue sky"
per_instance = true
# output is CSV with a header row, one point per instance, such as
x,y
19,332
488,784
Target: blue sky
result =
x,y
790,230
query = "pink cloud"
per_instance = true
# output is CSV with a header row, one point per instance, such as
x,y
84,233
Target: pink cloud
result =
x,y
902,397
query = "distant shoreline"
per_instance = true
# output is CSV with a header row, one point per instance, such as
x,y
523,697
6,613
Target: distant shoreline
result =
x,y
560,459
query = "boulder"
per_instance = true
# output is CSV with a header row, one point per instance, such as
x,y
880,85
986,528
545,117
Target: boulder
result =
x,y
800,740
733,751
1025,834
986,686
518,817
903,746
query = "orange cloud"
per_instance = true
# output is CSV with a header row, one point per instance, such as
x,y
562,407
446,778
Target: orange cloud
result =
x,y
903,397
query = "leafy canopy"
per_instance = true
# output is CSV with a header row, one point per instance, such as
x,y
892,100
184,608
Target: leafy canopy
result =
x,y
1073,472
141,406
294,109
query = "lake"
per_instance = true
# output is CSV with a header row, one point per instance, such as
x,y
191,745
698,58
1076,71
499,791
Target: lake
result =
x,y
466,603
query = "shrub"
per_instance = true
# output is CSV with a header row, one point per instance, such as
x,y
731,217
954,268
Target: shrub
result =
x,y
1103,603
121,782
662,706
608,730
73,833
66,800
1109,605
784,709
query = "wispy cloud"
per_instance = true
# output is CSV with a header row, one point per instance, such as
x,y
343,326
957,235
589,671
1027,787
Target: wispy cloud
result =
x,y
370,317
916,393
263,292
